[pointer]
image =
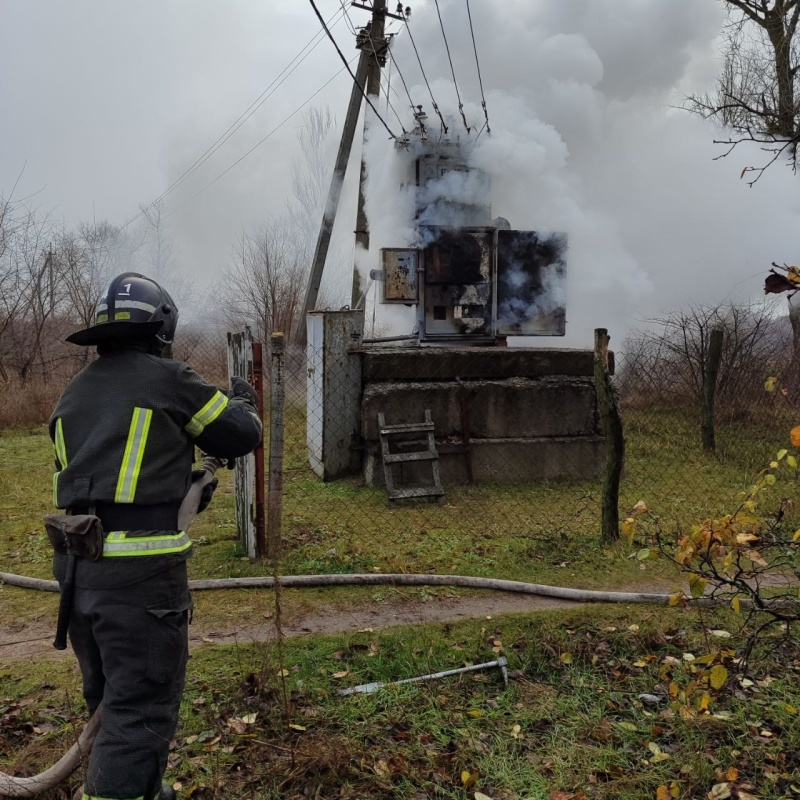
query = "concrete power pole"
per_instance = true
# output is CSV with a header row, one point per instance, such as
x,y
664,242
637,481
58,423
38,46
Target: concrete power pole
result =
x,y
374,45
334,193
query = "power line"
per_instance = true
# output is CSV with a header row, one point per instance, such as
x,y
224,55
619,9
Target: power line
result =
x,y
347,65
259,143
388,101
389,105
480,79
347,17
452,69
402,80
241,119
425,77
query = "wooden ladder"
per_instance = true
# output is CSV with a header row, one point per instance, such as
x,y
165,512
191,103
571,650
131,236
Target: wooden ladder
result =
x,y
390,460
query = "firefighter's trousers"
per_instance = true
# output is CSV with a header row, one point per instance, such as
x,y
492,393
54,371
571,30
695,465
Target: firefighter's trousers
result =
x,y
132,647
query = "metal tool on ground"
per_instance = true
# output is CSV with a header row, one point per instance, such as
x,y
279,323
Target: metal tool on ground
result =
x,y
369,688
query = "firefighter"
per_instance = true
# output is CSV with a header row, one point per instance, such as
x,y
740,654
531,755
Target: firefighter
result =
x,y
124,431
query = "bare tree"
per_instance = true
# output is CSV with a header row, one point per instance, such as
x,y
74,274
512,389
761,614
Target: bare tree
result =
x,y
310,178
264,283
666,363
756,95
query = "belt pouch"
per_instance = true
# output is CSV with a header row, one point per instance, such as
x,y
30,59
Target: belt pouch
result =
x,y
75,534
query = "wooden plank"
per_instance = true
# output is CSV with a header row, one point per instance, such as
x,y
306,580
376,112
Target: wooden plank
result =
x,y
240,364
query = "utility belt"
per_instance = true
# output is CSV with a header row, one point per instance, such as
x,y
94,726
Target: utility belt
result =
x,y
117,529
83,533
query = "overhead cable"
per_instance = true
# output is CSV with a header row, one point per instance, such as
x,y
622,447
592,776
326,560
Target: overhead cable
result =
x,y
425,77
242,118
452,69
480,79
388,101
403,81
352,74
260,142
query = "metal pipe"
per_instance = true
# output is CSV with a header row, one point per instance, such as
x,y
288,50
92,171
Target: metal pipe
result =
x,y
369,688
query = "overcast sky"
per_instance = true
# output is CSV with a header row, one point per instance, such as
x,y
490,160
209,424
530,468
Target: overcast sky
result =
x,y
104,104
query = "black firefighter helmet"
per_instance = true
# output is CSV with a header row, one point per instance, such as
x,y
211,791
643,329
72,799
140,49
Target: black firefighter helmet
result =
x,y
131,307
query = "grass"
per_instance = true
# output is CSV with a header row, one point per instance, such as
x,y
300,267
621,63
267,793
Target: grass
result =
x,y
571,719
545,533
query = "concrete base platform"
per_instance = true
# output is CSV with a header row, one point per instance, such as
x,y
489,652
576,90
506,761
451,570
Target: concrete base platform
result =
x,y
504,461
474,363
515,408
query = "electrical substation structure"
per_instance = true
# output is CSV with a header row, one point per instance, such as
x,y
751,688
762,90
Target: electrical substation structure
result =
x,y
468,283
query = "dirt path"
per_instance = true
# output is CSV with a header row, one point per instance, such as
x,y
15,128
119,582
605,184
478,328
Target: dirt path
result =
x,y
34,640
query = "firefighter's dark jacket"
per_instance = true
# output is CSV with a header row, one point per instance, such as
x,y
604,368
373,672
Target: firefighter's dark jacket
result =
x,y
126,426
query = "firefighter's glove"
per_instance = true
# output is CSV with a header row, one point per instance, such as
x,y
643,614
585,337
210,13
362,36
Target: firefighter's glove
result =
x,y
208,489
242,390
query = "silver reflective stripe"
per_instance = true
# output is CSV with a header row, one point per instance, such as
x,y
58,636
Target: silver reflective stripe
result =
x,y
135,304
207,414
102,307
134,453
118,543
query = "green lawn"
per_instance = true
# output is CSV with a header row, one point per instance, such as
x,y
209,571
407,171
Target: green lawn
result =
x,y
258,723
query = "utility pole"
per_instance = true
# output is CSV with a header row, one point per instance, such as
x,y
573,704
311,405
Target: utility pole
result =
x,y
374,44
334,193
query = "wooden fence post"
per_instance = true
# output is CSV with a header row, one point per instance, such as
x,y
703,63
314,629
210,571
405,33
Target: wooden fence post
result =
x,y
710,388
276,433
615,440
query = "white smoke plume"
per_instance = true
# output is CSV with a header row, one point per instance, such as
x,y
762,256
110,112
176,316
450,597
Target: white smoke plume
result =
x,y
585,138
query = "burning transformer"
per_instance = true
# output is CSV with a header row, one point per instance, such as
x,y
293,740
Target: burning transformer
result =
x,y
472,278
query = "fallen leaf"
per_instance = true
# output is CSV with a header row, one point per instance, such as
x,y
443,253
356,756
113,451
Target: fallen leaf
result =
x,y
718,676
340,674
481,796
295,727
566,658
469,778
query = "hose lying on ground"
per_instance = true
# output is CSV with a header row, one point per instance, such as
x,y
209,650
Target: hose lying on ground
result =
x,y
389,579
22,787
11,786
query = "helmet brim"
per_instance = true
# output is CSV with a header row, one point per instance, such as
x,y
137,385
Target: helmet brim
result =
x,y
114,331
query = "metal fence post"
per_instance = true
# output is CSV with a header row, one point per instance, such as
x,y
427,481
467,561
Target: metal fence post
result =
x,y
258,383
276,433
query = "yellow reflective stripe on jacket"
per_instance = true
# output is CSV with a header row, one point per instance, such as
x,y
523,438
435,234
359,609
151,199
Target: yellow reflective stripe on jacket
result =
x,y
207,414
134,453
58,444
61,457
119,543
97,797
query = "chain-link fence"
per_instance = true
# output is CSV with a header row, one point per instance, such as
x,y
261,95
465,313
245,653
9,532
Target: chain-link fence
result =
x,y
519,446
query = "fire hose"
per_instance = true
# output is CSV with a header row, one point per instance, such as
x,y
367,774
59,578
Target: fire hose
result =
x,y
12,786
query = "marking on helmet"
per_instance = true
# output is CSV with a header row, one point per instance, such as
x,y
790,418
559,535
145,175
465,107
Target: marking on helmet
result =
x,y
137,304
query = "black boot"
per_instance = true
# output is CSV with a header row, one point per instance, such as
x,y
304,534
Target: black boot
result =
x,y
167,792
